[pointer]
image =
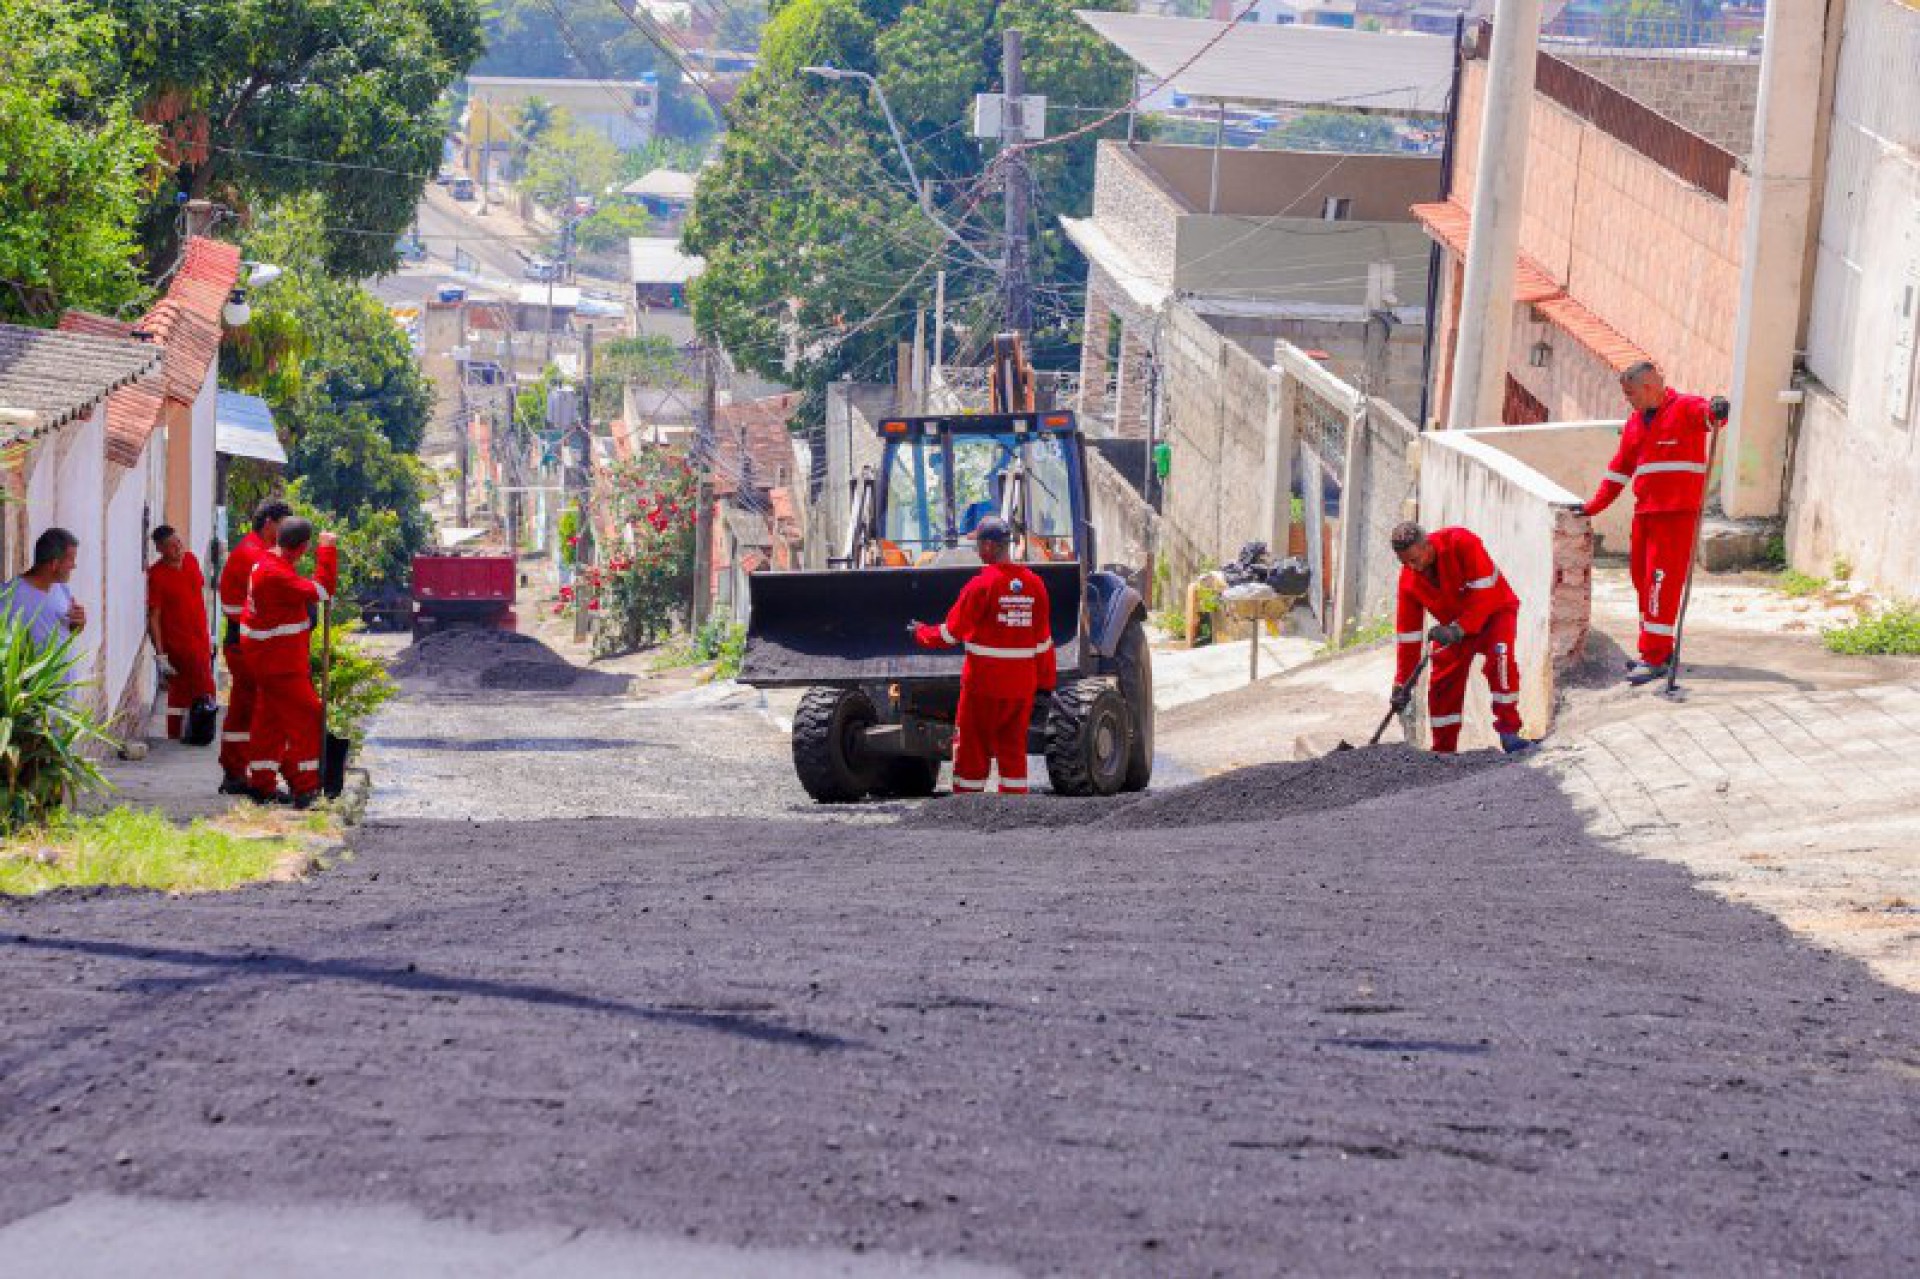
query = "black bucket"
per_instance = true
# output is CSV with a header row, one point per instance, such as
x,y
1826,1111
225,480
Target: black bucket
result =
x,y
202,718
333,765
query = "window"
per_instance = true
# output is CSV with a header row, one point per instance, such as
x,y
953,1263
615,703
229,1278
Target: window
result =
x,y
1337,208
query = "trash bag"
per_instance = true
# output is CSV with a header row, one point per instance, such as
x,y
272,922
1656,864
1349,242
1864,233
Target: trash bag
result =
x,y
202,717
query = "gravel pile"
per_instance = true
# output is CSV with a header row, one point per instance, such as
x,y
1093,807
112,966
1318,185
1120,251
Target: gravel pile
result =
x,y
1264,793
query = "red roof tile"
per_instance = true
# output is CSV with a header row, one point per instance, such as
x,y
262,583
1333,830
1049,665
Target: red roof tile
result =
x,y
1592,332
1449,222
134,410
769,448
187,321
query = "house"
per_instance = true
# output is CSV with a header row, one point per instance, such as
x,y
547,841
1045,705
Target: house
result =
x,y
76,411
159,450
666,194
757,518
660,272
625,112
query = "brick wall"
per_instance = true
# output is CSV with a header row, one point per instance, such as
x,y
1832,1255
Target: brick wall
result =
x,y
1387,493
1654,257
1711,96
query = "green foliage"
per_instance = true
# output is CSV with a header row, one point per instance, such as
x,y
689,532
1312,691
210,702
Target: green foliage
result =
x,y
611,226
357,686
351,403
1798,585
722,641
1349,132
1893,630
136,848
647,576
568,161
1366,633
569,536
1775,556
650,359
1843,568
75,164
816,249
523,39
44,731
353,84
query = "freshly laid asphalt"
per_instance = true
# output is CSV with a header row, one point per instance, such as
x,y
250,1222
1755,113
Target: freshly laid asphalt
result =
x,y
1437,1030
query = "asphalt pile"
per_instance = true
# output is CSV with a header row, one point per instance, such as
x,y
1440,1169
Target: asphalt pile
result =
x,y
1263,793
499,661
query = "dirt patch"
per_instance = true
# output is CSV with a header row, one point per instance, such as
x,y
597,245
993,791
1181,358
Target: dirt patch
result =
x,y
499,661
1264,793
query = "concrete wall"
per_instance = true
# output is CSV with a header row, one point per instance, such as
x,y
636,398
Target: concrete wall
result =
x,y
1572,455
1255,183
1854,485
850,443
1136,211
1298,259
1124,526
1712,95
1544,552
1385,493
1343,343
128,674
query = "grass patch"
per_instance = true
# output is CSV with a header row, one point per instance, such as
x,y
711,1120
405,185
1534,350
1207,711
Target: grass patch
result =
x,y
1893,631
1799,585
142,849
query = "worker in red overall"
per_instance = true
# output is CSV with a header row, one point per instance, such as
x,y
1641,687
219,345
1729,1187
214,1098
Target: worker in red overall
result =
x,y
1663,453
177,625
274,630
1001,618
236,575
1448,573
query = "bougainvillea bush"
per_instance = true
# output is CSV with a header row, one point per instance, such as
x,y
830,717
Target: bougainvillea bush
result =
x,y
644,581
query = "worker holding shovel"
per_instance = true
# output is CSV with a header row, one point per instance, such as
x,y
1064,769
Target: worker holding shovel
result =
x,y
1449,575
1665,454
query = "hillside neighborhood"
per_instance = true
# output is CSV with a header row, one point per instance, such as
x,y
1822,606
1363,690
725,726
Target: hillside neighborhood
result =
x,y
916,637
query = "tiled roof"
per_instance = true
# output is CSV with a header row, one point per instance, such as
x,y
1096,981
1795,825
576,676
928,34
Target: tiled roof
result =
x,y
187,320
1449,222
133,411
49,378
770,461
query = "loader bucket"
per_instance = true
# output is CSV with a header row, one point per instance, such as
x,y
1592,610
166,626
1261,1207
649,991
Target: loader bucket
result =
x,y
846,627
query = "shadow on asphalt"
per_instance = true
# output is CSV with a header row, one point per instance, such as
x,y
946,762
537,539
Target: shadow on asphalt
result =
x,y
549,745
272,964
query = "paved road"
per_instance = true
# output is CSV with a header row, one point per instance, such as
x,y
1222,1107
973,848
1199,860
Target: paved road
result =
x,y
1439,1030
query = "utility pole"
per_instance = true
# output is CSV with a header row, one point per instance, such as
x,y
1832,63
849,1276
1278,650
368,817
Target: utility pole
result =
x,y
582,476
703,495
486,152
508,439
1499,191
1014,283
466,445
940,320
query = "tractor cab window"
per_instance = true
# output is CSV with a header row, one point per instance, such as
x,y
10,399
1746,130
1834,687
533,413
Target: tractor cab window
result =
x,y
916,520
1023,478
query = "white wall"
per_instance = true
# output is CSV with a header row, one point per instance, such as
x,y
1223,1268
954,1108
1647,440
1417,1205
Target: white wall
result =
x,y
65,479
1572,455
197,521
129,678
1546,554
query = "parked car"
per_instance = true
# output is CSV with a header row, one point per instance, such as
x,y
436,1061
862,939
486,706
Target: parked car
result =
x,y
461,188
542,269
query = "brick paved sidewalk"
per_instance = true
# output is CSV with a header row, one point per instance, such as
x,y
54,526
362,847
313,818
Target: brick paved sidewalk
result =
x,y
1805,805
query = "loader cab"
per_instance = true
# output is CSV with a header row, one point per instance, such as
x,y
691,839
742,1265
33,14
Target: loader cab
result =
x,y
940,476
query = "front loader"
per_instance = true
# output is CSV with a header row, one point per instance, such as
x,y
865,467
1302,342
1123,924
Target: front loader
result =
x,y
878,714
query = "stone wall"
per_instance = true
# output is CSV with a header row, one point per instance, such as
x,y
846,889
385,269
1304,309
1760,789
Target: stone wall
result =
x,y
1544,552
1711,95
1136,211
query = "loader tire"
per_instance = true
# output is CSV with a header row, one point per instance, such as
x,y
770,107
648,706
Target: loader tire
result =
x,y
908,778
1088,737
826,745
1134,666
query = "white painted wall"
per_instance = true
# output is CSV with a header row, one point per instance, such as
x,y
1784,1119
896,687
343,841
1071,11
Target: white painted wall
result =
x,y
64,486
1545,553
128,673
1572,455
196,523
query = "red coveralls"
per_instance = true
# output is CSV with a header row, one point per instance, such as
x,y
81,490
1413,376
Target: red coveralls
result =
x,y
1665,459
179,596
236,575
1468,589
286,724
1001,618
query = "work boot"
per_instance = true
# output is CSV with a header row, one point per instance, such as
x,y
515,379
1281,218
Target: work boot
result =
x,y
264,798
304,800
1514,744
234,784
1646,673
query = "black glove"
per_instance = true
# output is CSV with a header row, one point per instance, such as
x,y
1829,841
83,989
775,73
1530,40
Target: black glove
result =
x,y
1575,508
1447,634
1401,699
1719,410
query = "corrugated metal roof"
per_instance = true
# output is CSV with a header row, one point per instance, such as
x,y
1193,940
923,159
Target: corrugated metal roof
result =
x,y
658,260
48,378
1286,65
663,184
243,427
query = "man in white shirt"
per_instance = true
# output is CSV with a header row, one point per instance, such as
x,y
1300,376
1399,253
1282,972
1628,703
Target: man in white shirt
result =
x,y
39,598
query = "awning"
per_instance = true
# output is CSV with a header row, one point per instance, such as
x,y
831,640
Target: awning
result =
x,y
243,427
1449,222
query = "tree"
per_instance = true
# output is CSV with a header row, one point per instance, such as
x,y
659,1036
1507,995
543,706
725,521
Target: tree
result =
x,y
75,165
817,254
568,161
262,100
536,119
611,226
650,359
1350,132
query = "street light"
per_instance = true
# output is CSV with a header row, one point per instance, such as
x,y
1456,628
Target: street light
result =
x,y
900,144
238,310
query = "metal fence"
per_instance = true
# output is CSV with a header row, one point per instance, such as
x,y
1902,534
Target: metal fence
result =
x,y
1654,37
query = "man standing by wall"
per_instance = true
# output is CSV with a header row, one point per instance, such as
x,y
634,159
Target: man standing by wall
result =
x,y
235,577
1663,453
177,625
39,599
274,631
1448,573
1002,619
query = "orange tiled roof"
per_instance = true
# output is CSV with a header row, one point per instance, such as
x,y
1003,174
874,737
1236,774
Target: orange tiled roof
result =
x,y
769,448
1449,222
133,411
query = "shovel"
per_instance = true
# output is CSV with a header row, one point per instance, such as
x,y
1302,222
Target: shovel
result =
x,y
333,750
1673,691
1407,687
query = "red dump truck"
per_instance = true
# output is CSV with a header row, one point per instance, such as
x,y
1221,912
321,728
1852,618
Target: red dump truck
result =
x,y
474,591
